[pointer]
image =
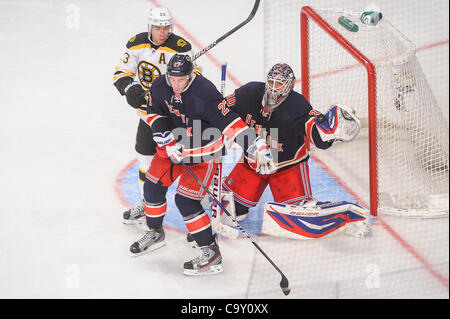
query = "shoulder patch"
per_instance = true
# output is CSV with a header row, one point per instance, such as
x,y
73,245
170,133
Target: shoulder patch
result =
x,y
181,43
178,44
138,39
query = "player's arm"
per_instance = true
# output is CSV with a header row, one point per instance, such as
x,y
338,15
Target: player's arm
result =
x,y
235,129
125,73
339,123
157,119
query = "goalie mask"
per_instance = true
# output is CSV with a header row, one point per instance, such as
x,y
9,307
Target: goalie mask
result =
x,y
280,82
159,16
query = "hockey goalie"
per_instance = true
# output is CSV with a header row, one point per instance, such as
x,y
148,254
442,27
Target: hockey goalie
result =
x,y
290,125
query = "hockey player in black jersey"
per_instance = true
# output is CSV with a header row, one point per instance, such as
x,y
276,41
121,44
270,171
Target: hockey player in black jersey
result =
x,y
191,122
290,125
145,59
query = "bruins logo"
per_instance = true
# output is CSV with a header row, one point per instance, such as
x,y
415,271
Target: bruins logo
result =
x,y
181,43
148,72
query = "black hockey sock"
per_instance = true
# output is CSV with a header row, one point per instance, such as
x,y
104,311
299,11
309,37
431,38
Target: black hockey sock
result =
x,y
197,221
154,203
240,209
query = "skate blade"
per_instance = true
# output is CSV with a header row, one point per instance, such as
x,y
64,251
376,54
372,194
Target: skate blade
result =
x,y
212,270
150,249
137,222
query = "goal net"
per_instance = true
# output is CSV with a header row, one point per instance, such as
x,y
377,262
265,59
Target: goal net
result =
x,y
408,51
399,163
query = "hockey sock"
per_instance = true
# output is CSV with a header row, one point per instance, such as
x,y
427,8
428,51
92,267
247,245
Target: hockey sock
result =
x,y
154,203
144,164
197,221
154,214
240,209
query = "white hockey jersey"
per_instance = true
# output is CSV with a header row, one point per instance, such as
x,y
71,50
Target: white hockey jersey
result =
x,y
144,61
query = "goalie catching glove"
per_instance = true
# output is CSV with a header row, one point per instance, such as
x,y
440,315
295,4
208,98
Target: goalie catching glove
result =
x,y
168,147
339,123
260,154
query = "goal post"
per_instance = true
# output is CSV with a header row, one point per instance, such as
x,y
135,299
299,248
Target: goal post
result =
x,y
308,13
399,164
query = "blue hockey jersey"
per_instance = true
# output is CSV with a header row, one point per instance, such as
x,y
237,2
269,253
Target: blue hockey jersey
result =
x,y
290,129
200,118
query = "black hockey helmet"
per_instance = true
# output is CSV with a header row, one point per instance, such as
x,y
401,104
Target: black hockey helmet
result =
x,y
179,65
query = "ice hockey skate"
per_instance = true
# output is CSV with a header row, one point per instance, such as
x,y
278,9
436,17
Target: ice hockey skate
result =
x,y
209,261
191,241
134,215
152,240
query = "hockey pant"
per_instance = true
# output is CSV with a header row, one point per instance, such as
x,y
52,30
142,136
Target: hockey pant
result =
x,y
289,186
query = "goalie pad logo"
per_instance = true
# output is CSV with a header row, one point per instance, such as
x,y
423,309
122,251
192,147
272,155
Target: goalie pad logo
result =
x,y
316,222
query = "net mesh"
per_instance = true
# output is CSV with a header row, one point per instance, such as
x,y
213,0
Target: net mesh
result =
x,y
412,151
404,257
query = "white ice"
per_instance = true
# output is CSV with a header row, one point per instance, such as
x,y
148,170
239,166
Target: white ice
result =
x,y
66,133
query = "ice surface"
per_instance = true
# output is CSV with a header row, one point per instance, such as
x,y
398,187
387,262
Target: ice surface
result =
x,y
66,134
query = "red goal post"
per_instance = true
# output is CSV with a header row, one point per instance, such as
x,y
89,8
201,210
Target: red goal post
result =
x,y
384,123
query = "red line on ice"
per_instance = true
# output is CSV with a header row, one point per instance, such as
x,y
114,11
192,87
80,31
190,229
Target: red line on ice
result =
x,y
386,226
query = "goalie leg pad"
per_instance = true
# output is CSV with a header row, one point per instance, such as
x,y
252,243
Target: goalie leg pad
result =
x,y
316,220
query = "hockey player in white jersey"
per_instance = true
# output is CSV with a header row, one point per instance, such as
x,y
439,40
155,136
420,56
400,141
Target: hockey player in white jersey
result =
x,y
145,58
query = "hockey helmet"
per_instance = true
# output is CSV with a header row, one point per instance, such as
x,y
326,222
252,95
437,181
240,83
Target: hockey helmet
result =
x,y
280,82
179,65
159,16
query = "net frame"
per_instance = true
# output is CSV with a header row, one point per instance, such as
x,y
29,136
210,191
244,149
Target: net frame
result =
x,y
308,15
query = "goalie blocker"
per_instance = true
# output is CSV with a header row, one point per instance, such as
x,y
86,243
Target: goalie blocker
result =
x,y
315,220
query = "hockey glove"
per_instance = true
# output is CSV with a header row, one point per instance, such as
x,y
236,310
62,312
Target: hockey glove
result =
x,y
339,124
136,95
168,147
262,157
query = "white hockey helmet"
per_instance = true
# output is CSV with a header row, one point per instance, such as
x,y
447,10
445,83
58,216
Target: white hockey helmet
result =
x,y
159,16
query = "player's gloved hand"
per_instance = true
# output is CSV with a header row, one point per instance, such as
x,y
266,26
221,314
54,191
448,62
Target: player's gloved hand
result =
x,y
175,152
167,146
339,123
136,95
262,157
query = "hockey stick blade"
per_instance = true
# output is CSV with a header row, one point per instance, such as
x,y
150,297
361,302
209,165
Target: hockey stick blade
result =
x,y
284,284
226,35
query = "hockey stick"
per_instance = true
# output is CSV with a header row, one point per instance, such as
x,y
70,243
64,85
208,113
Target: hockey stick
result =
x,y
226,35
284,283
217,225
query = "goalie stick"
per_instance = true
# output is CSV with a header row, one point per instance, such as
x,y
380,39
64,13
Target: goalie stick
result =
x,y
284,283
226,35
